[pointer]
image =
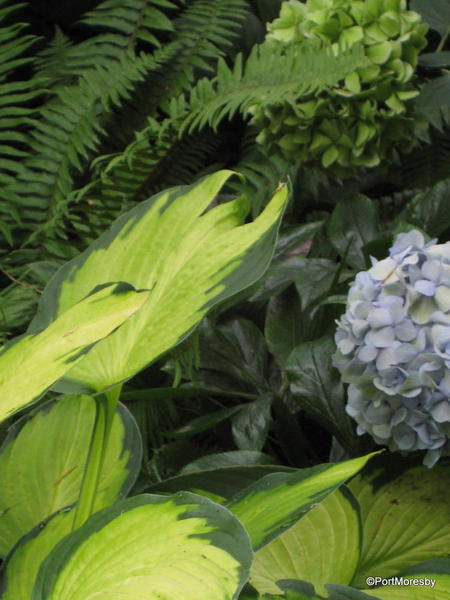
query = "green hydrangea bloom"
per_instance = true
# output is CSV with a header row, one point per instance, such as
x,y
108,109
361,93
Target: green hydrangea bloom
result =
x,y
359,123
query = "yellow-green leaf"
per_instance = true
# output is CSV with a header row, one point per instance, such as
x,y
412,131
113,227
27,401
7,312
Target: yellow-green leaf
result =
x,y
42,462
406,519
182,547
275,502
189,258
32,363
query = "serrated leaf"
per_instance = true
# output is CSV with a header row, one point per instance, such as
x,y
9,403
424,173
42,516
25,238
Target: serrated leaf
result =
x,y
429,210
251,424
317,389
313,278
353,223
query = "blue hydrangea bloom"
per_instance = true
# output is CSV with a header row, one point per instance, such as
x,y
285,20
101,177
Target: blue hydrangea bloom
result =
x,y
393,348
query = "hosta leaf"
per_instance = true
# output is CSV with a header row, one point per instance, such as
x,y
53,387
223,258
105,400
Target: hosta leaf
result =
x,y
343,592
322,547
42,462
32,363
220,484
23,563
406,518
294,590
189,258
275,502
150,547
429,580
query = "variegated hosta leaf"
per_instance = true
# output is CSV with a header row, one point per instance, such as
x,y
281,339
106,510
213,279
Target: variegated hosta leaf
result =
x,y
271,505
150,547
323,547
22,565
189,259
42,463
32,363
406,519
429,580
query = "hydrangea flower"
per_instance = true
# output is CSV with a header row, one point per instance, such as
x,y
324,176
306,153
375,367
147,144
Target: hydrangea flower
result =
x,y
393,348
368,116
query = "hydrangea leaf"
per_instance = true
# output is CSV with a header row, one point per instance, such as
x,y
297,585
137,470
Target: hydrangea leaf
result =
x,y
429,209
46,452
434,12
32,363
317,389
149,547
189,258
313,549
275,502
355,222
406,518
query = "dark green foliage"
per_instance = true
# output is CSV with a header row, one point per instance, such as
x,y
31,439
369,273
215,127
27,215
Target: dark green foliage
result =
x,y
101,112
108,102
270,76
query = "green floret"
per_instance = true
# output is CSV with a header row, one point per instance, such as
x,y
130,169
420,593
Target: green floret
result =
x,y
361,122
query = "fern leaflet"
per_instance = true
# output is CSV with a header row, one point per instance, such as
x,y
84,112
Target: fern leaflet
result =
x,y
65,137
133,19
269,76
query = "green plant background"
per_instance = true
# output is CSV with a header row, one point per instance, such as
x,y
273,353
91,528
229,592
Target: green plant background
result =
x,y
231,418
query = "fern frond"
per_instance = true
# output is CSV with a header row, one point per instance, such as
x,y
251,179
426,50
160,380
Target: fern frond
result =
x,y
270,76
16,116
133,19
203,31
147,165
122,178
63,61
65,137
433,102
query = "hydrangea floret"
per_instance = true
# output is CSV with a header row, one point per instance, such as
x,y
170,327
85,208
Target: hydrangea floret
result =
x,y
359,123
393,348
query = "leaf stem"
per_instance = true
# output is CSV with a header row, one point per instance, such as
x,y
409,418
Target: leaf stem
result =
x,y
106,405
443,40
